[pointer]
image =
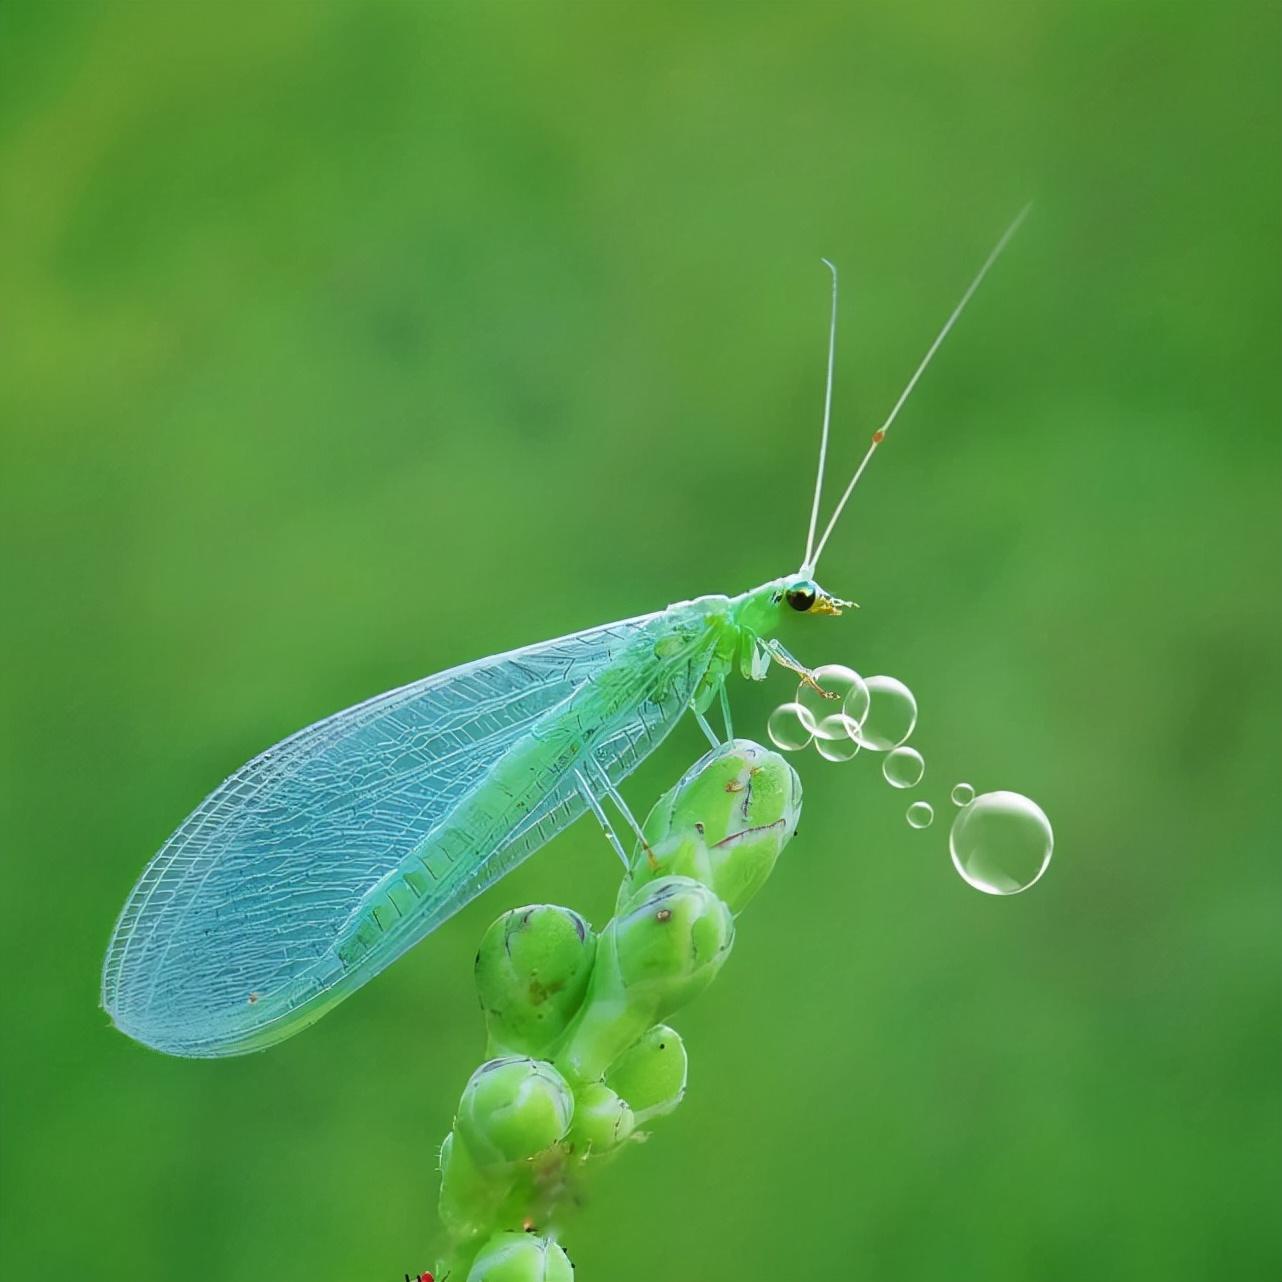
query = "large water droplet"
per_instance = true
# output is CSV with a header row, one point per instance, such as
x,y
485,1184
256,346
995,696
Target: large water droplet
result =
x,y
833,718
921,814
962,794
786,728
891,715
903,768
1001,843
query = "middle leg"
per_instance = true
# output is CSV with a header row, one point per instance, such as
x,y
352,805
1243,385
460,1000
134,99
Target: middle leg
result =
x,y
623,808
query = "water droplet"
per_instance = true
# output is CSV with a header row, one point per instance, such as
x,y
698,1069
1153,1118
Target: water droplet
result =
x,y
1001,843
837,717
837,749
903,767
962,794
921,814
786,728
891,715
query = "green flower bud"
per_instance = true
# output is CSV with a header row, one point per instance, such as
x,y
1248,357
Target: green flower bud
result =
x,y
513,1109
602,1120
521,1257
724,824
671,943
663,951
651,1074
531,973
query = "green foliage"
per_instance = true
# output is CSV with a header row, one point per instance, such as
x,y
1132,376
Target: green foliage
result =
x,y
527,1128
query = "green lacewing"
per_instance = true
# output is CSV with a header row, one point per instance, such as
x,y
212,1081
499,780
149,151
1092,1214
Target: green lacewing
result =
x,y
323,859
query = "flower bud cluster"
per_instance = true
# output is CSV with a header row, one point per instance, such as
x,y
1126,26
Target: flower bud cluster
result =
x,y
580,1059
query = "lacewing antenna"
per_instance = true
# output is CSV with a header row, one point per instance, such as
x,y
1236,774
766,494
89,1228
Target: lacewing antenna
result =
x,y
880,434
823,439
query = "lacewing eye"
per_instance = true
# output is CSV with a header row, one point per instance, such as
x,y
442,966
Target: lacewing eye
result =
x,y
802,597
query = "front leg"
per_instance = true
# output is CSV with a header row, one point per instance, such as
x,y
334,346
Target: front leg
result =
x,y
781,656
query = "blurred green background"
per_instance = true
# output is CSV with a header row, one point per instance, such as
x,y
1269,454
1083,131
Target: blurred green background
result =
x,y
344,342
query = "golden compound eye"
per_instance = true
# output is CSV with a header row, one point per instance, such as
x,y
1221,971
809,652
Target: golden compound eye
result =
x,y
802,597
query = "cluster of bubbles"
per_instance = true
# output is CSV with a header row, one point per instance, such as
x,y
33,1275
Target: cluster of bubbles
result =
x,y
1000,842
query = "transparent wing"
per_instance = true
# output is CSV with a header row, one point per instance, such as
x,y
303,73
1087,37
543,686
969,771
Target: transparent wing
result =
x,y
251,892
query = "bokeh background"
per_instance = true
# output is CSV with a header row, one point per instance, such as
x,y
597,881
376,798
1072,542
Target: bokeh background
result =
x,y
344,342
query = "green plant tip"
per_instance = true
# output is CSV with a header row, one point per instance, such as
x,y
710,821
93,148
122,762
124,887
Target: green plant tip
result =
x,y
579,1059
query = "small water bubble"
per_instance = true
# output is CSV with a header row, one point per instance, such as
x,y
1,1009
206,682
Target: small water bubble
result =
x,y
921,814
891,715
837,749
1001,843
787,729
903,767
831,718
962,794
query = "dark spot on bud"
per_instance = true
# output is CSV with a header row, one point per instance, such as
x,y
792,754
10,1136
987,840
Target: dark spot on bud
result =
x,y
698,827
253,997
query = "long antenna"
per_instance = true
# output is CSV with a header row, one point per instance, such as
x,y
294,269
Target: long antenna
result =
x,y
880,434
823,439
